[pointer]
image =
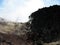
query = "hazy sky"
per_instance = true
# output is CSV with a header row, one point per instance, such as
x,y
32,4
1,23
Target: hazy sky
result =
x,y
19,10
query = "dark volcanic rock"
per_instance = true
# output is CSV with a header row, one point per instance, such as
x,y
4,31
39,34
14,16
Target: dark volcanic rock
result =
x,y
45,24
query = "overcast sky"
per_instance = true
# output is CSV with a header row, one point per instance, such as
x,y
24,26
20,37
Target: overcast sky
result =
x,y
19,10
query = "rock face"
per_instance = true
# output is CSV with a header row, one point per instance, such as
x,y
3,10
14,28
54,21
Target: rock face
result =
x,y
45,24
